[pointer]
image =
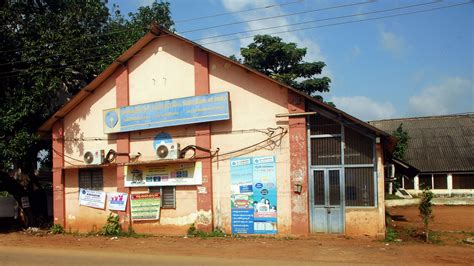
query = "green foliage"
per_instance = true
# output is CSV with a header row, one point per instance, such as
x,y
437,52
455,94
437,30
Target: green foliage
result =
x,y
193,232
425,209
112,226
48,51
56,229
284,62
402,144
390,235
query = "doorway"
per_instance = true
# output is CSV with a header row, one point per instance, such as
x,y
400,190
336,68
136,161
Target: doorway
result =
x,y
327,201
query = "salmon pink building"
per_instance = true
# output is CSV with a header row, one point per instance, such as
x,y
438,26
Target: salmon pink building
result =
x,y
172,134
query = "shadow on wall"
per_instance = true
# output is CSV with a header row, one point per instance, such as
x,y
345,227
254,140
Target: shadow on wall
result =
x,y
73,139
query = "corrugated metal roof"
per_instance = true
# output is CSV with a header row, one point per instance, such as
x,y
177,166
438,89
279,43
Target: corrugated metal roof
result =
x,y
437,143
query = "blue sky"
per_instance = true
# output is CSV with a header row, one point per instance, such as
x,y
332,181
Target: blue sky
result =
x,y
413,65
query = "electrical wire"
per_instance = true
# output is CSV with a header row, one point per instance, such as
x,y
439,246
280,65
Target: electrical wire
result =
x,y
278,16
307,28
176,22
346,22
323,19
207,28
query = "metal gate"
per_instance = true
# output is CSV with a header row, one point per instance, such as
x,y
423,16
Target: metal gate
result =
x,y
327,204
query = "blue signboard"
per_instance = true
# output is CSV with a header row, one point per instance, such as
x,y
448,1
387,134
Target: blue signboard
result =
x,y
253,195
180,111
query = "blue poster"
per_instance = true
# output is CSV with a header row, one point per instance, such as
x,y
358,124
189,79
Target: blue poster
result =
x,y
265,195
254,195
241,195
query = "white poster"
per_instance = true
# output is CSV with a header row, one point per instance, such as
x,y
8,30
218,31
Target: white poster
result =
x,y
25,202
180,174
92,198
117,201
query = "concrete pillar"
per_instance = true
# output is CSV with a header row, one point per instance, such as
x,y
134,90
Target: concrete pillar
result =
x,y
123,143
298,165
380,189
450,184
59,208
416,183
204,220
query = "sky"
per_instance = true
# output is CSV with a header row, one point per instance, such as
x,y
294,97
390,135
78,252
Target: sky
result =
x,y
419,64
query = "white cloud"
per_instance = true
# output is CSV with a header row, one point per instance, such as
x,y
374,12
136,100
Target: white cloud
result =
x,y
313,49
452,95
364,108
392,43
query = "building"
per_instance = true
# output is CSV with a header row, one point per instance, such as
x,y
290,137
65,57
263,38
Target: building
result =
x,y
256,156
441,148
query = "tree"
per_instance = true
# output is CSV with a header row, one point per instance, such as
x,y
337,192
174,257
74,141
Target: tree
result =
x,y
426,210
49,50
402,136
285,62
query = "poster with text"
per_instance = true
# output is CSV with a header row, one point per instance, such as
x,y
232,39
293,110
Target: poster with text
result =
x,y
117,201
241,199
92,198
254,195
176,174
145,206
264,195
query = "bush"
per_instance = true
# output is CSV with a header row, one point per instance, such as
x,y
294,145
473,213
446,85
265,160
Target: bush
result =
x,y
112,226
391,235
56,229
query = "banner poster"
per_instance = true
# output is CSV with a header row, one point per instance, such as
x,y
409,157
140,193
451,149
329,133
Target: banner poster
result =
x,y
253,195
241,196
145,206
117,201
264,195
163,175
92,198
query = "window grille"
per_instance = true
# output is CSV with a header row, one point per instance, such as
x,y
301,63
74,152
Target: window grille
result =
x,y
359,186
91,179
326,151
463,181
168,196
358,149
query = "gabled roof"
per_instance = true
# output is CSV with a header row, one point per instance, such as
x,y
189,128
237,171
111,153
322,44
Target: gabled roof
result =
x,y
437,143
156,32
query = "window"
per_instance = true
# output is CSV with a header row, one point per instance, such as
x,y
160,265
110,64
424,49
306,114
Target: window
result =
x,y
168,196
463,181
91,179
440,181
359,149
321,125
408,183
326,151
424,181
359,186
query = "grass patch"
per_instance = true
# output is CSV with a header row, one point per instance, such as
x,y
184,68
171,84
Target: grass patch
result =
x,y
390,235
194,232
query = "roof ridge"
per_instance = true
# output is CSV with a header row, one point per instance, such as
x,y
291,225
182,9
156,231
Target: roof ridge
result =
x,y
425,117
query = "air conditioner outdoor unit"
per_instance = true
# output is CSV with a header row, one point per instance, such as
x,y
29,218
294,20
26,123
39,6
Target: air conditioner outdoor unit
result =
x,y
167,151
94,157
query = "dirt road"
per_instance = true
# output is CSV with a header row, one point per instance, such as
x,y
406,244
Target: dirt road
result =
x,y
19,248
452,224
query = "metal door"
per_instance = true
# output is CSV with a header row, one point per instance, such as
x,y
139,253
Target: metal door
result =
x,y
327,201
